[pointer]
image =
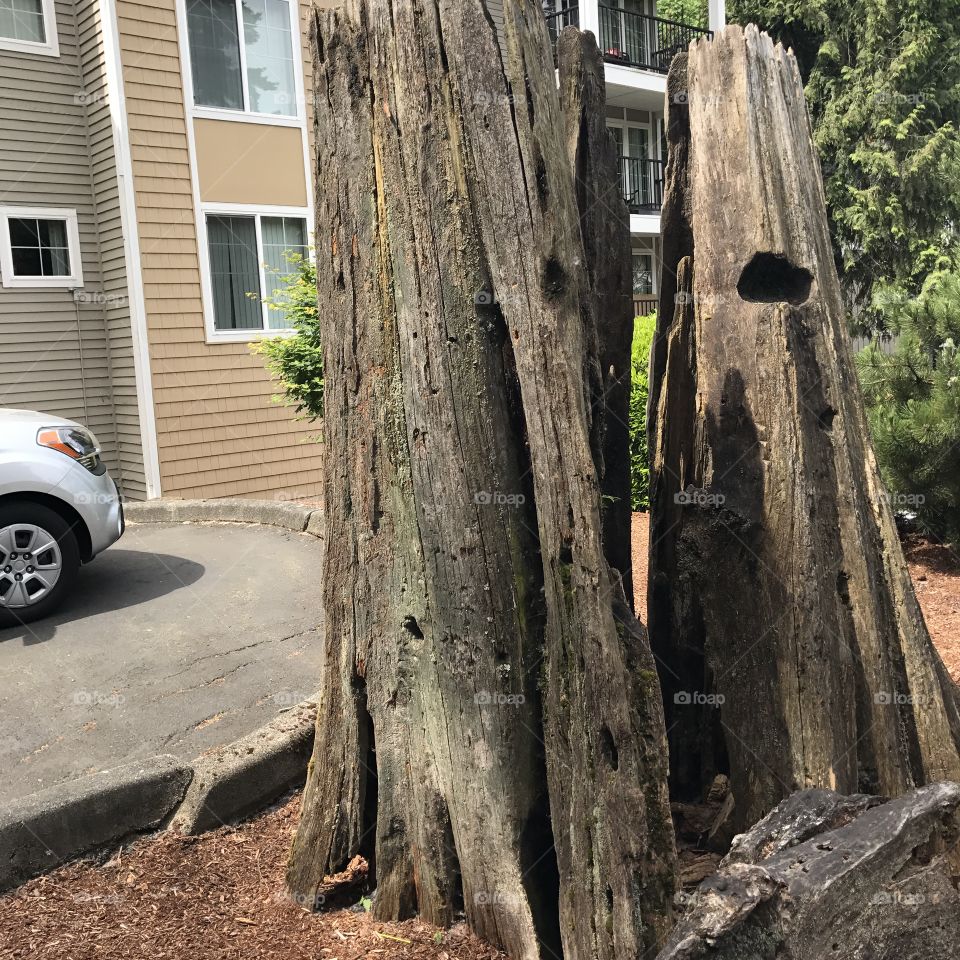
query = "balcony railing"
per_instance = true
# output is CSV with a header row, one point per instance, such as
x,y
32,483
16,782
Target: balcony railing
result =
x,y
642,184
644,304
569,17
636,40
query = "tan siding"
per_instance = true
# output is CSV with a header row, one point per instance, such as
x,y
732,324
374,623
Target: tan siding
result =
x,y
60,355
219,434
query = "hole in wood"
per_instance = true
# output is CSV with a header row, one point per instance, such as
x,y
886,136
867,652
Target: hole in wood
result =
x,y
609,746
772,278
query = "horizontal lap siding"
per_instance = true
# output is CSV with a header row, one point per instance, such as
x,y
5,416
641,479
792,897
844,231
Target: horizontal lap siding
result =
x,y
58,355
219,433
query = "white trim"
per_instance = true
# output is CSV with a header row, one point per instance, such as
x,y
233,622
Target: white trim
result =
x,y
717,14
645,224
257,212
245,116
50,47
10,279
113,65
207,112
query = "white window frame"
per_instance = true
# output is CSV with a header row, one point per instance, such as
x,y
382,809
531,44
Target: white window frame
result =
x,y
246,115
50,47
257,211
7,277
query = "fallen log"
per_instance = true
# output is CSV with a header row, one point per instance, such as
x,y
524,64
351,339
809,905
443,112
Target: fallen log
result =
x,y
883,886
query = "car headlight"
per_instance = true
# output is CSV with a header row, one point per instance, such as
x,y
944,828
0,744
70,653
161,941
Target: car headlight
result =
x,y
77,443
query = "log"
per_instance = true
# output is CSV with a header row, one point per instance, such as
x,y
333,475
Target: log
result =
x,y
882,886
490,732
793,653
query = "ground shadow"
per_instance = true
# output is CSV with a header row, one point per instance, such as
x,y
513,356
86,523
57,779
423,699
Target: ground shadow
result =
x,y
116,580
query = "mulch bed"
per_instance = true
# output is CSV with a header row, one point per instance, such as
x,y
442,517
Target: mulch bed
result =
x,y
217,896
222,896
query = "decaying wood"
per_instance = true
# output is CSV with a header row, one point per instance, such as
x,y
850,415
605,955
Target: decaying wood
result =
x,y
471,616
883,886
792,650
605,228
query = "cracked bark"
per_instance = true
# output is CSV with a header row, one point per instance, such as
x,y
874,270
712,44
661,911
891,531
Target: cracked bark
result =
x,y
777,582
490,731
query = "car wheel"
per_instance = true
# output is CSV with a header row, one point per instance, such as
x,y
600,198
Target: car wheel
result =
x,y
39,561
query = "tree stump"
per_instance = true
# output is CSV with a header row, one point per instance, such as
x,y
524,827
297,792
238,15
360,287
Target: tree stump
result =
x,y
791,647
490,731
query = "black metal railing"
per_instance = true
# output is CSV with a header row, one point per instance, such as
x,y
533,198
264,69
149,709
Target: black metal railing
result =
x,y
636,40
569,16
642,184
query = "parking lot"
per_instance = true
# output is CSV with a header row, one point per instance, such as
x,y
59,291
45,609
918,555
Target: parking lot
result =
x,y
178,639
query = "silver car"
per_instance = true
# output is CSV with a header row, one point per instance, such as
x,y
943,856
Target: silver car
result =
x,y
59,508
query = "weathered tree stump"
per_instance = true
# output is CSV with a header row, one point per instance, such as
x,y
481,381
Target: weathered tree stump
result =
x,y
490,731
791,647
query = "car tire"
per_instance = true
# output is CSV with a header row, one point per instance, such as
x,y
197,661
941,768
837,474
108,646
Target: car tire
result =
x,y
31,514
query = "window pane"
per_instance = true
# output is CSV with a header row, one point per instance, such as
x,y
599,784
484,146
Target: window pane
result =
x,y
22,20
234,273
282,237
269,47
26,262
39,248
642,274
215,53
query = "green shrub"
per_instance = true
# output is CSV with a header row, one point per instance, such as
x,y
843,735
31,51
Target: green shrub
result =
x,y
296,361
913,404
643,330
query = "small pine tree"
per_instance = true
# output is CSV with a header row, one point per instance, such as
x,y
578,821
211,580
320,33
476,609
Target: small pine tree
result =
x,y
913,404
296,361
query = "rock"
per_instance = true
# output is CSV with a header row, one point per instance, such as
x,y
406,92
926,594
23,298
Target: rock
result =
x,y
883,886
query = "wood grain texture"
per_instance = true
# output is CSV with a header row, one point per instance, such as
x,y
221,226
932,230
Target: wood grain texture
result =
x,y
480,655
777,582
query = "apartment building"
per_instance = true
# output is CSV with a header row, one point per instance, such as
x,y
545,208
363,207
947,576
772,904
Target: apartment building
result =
x,y
638,46
154,172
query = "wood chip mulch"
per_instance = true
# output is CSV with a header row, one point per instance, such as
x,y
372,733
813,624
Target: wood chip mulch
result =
x,y
222,896
218,896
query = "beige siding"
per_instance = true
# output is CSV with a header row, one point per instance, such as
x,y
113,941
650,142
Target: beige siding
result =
x,y
66,356
218,432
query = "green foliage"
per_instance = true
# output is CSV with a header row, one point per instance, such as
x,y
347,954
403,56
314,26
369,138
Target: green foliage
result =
x,y
694,12
883,85
913,404
643,331
296,361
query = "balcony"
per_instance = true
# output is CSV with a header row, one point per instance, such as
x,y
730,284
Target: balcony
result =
x,y
628,39
636,40
641,182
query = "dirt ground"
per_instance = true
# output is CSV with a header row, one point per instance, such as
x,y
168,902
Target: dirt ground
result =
x,y
221,896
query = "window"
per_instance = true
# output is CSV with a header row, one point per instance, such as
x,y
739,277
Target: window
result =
x,y
249,254
642,274
242,55
39,247
29,26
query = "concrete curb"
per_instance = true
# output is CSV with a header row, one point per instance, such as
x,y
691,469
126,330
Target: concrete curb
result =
x,y
243,777
273,513
45,829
